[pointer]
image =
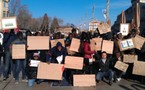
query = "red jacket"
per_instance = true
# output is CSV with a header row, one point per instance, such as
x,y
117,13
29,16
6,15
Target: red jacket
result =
x,y
87,50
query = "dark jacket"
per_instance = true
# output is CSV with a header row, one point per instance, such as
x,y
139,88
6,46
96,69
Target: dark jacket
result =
x,y
104,67
54,53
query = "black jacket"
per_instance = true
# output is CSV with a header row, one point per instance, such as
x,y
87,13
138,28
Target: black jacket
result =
x,y
104,67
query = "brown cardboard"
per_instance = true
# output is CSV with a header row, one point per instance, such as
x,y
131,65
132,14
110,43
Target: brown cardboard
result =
x,y
72,62
126,44
54,42
130,58
139,41
37,42
138,68
18,51
50,71
104,28
121,66
75,45
108,46
84,80
98,43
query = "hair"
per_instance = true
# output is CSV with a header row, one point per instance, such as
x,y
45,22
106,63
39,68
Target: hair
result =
x,y
104,52
19,34
73,30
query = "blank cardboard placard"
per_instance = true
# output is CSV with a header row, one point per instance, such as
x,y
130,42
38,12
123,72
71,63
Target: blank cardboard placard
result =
x,y
18,51
54,42
98,43
37,42
84,80
130,58
104,28
50,71
9,23
139,41
75,45
69,51
138,68
126,44
108,46
124,29
92,45
72,62
121,66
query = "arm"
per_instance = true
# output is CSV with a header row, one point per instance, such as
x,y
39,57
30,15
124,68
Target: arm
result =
x,y
86,49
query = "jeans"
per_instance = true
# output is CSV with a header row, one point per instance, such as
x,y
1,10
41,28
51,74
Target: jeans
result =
x,y
108,73
31,82
20,65
8,63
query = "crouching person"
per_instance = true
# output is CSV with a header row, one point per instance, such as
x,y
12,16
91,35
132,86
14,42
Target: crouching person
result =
x,y
104,70
32,70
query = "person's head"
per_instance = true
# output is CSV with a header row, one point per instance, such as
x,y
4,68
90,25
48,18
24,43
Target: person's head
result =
x,y
28,33
36,56
74,31
37,34
70,35
20,35
59,46
104,55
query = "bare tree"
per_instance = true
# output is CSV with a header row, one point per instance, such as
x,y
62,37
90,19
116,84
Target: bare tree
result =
x,y
14,7
24,18
54,25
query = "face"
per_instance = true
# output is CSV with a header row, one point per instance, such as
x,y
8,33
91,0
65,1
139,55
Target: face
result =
x,y
59,48
104,55
35,57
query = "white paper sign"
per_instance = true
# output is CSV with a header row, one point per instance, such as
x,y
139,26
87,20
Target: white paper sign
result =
x,y
124,29
59,59
1,38
34,63
9,23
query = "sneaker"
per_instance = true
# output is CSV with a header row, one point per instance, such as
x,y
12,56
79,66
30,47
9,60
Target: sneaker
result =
x,y
4,79
118,79
16,82
24,80
110,83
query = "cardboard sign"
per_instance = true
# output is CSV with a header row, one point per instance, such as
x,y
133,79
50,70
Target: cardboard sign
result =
x,y
9,23
69,51
50,71
96,44
18,51
37,42
75,45
121,66
139,41
72,62
124,29
84,80
108,46
54,42
104,28
126,44
130,58
138,68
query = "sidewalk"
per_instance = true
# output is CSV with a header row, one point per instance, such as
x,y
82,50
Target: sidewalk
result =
x,y
122,85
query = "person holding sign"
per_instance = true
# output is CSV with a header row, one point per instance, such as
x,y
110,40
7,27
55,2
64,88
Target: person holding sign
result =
x,y
104,69
32,69
20,64
56,54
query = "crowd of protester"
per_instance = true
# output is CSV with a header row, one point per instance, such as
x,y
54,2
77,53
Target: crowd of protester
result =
x,y
102,66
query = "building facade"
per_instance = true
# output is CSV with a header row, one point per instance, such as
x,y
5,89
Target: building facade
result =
x,y
4,10
129,14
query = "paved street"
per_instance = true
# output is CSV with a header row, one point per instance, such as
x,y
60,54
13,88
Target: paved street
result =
x,y
122,85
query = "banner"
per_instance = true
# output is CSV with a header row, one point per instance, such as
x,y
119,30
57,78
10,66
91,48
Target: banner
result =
x,y
75,45
72,62
126,44
124,29
54,42
130,58
84,80
121,66
108,46
9,23
18,51
38,43
50,71
138,68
